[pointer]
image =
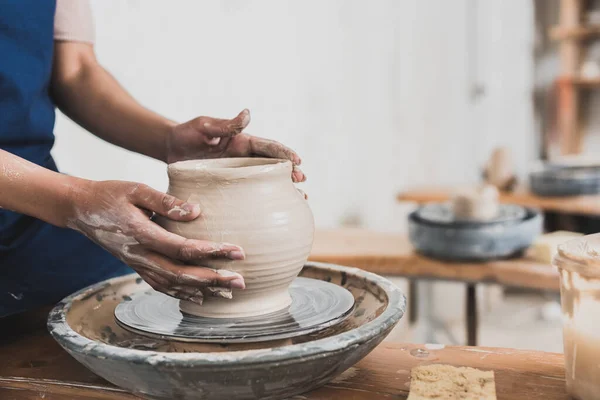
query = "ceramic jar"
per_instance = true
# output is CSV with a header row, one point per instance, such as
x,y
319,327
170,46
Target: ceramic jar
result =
x,y
252,203
578,262
476,204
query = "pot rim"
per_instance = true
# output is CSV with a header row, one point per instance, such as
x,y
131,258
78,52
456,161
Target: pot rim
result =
x,y
234,165
79,344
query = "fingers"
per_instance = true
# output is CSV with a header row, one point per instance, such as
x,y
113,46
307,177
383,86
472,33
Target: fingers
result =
x,y
179,248
169,244
215,128
188,293
182,275
297,175
185,282
161,203
272,149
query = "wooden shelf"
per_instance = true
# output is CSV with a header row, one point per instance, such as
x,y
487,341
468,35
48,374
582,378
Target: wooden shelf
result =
x,y
578,205
392,254
571,33
581,82
575,33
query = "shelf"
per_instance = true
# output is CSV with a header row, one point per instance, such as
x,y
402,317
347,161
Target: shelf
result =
x,y
582,82
575,32
579,205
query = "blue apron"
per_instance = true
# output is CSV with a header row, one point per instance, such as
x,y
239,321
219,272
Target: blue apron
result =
x,y
39,263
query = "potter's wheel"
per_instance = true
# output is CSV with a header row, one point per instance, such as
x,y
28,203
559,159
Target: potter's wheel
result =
x,y
161,368
316,305
436,233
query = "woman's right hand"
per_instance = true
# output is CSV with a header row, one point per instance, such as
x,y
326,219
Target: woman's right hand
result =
x,y
116,215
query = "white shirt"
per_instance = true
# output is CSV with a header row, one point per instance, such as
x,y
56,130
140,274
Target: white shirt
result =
x,y
73,21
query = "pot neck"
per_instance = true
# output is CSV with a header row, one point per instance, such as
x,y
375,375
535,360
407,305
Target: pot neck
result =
x,y
229,170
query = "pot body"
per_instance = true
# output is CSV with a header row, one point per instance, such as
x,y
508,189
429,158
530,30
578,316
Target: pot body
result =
x,y
252,203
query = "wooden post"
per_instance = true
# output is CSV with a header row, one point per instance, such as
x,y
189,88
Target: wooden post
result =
x,y
568,97
471,314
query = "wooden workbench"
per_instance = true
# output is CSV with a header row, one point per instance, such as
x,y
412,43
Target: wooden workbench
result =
x,y
580,205
392,254
34,367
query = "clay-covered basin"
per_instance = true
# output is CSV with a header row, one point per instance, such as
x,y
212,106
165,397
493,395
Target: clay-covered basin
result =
x,y
84,325
252,203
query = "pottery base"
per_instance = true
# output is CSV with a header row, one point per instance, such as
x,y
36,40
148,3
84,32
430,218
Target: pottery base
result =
x,y
241,306
316,305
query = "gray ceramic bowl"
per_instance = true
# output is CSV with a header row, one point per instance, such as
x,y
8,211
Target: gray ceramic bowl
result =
x,y
556,181
83,324
474,242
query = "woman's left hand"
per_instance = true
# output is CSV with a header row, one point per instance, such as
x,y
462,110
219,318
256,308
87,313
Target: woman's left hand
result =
x,y
206,137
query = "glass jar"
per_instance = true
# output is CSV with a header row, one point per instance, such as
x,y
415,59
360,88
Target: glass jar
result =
x,y
578,262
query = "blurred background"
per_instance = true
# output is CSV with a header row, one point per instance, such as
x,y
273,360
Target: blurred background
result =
x,y
377,97
374,96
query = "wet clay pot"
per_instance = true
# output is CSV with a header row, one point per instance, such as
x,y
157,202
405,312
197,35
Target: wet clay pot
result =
x,y
252,203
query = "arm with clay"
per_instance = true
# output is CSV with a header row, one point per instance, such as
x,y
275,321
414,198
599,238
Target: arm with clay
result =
x,y
115,215
89,95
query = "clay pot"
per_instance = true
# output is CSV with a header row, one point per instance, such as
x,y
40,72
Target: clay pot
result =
x,y
252,203
477,204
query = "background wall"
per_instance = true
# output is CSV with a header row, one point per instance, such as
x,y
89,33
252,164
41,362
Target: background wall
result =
x,y
376,96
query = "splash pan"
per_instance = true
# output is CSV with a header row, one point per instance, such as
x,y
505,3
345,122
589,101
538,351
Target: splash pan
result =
x,y
84,325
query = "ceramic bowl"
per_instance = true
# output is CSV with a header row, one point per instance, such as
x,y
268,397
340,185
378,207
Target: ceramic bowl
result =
x,y
83,324
474,241
552,180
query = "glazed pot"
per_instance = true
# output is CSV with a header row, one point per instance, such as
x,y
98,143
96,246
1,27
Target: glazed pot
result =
x,y
252,203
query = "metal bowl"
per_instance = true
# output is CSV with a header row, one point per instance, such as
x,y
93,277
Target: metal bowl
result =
x,y
83,324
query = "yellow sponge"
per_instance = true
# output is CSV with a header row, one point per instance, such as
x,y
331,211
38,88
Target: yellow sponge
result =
x,y
440,381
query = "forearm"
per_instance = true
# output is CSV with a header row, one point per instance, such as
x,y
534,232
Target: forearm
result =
x,y
89,95
29,189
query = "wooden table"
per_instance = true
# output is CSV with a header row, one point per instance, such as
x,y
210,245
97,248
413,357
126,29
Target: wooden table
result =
x,y
392,254
580,205
34,367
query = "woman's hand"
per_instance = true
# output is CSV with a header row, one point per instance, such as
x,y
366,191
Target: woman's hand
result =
x,y
206,137
116,215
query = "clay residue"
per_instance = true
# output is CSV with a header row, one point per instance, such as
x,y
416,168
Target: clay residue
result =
x,y
432,346
180,211
98,323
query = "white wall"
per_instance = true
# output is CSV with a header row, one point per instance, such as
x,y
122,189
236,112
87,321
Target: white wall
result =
x,y
373,95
